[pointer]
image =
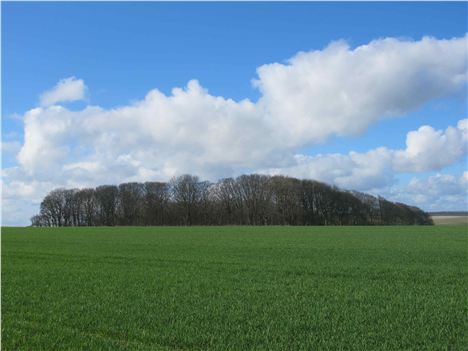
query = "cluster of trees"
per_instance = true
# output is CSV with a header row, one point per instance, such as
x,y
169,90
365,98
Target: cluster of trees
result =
x,y
246,200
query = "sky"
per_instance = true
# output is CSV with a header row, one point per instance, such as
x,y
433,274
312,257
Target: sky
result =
x,y
366,96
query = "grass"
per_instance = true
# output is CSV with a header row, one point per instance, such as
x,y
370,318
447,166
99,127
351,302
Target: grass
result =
x,y
235,288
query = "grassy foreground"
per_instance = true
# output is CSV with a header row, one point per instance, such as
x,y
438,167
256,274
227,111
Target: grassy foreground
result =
x,y
235,288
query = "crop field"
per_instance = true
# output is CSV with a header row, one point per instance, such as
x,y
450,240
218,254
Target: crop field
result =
x,y
235,288
445,220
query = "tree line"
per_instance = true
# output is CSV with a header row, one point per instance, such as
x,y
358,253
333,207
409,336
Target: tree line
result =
x,y
252,199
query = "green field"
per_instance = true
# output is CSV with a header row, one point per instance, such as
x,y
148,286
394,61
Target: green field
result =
x,y
235,288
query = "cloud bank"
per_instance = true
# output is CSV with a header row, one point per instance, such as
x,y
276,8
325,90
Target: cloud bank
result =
x,y
337,91
441,191
341,91
426,150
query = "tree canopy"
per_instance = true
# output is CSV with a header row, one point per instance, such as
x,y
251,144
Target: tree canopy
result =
x,y
252,199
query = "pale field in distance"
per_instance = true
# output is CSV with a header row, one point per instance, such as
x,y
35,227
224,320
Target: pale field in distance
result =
x,y
443,220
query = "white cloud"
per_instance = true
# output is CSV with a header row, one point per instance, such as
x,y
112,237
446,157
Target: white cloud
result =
x,y
18,211
336,91
332,92
21,196
359,171
427,149
341,91
189,130
68,89
435,193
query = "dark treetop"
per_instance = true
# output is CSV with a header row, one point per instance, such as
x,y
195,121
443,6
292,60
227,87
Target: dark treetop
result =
x,y
246,200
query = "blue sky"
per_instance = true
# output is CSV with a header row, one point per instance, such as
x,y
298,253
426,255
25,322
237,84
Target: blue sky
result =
x,y
121,51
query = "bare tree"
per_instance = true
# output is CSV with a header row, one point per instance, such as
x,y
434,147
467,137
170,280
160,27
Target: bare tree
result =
x,y
256,194
156,200
249,199
185,194
107,196
130,203
88,207
286,199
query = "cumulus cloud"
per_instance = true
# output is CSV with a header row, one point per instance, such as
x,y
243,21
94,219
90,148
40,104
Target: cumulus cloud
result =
x,y
21,195
359,171
187,131
336,91
341,91
435,193
66,90
426,149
